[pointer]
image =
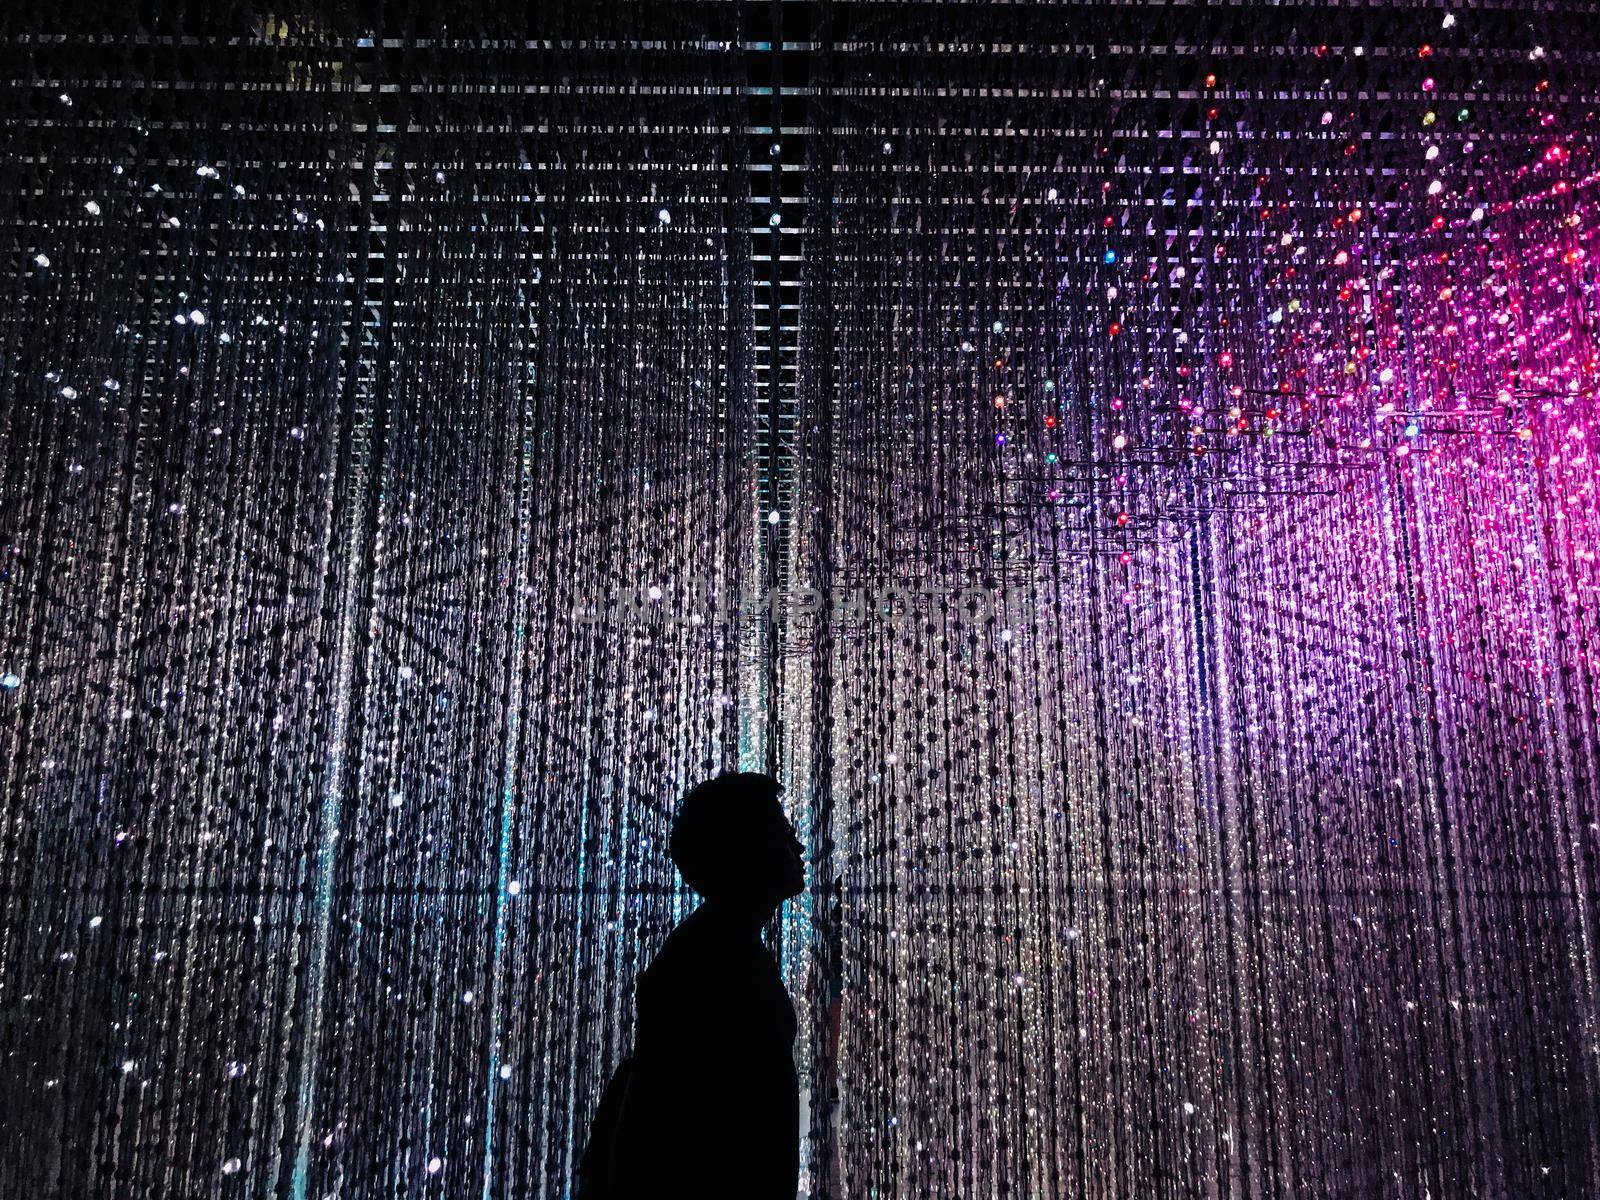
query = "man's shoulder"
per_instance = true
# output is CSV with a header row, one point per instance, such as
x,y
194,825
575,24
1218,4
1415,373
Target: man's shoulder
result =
x,y
699,948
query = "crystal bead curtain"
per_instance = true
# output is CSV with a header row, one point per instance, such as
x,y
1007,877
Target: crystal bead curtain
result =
x,y
1129,469
1207,411
335,389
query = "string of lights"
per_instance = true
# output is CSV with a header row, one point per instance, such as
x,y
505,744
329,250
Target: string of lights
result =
x,y
1128,469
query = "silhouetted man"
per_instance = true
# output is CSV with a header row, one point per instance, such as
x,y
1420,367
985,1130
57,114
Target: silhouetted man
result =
x,y
708,1106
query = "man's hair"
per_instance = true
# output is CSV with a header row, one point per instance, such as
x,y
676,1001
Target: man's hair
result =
x,y
716,824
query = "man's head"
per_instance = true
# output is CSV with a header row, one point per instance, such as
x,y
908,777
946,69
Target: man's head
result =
x,y
731,840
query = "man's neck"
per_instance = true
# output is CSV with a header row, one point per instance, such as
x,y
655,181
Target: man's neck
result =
x,y
746,916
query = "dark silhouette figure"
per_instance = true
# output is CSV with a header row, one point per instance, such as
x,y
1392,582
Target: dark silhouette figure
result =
x,y
708,1106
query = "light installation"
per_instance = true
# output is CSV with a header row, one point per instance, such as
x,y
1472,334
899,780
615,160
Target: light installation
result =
x,y
1130,470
